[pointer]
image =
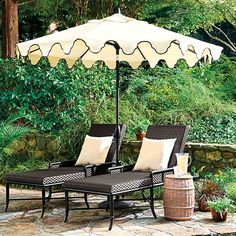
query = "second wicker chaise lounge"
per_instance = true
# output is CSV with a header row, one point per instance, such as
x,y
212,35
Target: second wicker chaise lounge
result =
x,y
124,180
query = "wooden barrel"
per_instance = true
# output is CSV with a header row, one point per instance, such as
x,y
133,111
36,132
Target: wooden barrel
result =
x,y
178,198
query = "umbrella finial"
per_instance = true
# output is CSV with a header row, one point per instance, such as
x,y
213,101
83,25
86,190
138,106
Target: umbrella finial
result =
x,y
119,11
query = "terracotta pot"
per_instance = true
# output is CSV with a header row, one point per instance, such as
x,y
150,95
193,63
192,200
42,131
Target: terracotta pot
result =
x,y
140,135
202,204
219,217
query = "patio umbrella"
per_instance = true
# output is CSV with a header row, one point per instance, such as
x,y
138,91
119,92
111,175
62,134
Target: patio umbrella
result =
x,y
114,39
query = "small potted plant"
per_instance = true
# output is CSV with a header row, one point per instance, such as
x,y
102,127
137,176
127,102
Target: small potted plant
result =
x,y
220,207
206,190
140,128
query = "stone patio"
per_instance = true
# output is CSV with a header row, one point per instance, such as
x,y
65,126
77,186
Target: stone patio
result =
x,y
23,219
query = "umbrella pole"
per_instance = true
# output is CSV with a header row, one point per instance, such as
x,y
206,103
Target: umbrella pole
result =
x,y
118,204
117,134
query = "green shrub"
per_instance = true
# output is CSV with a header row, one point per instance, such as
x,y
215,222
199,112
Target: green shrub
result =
x,y
230,189
224,177
16,164
66,101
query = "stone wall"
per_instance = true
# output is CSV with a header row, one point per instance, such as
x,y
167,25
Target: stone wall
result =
x,y
212,156
38,146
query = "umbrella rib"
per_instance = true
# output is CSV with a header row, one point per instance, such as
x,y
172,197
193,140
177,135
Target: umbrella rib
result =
x,y
84,53
142,54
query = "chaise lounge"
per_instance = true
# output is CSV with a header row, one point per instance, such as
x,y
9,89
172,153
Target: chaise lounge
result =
x,y
158,148
59,172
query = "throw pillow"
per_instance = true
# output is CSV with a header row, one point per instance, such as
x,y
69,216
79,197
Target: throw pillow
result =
x,y
154,154
94,150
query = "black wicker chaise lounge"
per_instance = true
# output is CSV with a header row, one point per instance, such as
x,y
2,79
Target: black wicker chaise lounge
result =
x,y
123,179
59,172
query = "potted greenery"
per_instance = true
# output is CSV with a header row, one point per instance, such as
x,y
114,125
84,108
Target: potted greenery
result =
x,y
140,128
220,207
206,190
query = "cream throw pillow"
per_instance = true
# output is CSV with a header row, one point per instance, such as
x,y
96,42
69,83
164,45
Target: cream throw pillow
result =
x,y
94,150
154,154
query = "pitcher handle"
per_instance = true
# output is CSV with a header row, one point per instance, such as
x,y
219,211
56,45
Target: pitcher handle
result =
x,y
189,160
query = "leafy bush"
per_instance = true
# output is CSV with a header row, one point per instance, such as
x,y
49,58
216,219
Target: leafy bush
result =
x,y
66,101
13,164
230,189
222,178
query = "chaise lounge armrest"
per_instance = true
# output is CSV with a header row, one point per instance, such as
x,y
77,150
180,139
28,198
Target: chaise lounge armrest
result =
x,y
58,164
157,176
118,169
97,169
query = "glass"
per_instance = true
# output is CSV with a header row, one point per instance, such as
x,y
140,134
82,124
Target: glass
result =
x,y
177,171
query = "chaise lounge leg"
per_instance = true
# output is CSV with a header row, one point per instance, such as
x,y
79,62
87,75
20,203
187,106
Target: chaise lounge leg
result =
x,y
43,202
49,193
111,212
107,203
86,199
7,196
66,205
152,203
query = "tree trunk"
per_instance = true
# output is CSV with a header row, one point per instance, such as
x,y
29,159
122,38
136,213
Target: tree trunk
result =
x,y
9,28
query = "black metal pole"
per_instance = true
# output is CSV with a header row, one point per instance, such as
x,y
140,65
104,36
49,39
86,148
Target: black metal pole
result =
x,y
117,103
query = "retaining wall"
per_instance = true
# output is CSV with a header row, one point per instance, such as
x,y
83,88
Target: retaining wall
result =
x,y
213,156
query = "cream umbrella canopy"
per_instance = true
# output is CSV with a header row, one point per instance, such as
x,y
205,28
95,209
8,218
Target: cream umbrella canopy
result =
x,y
114,39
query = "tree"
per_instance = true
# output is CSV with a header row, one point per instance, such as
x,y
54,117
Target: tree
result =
x,y
70,13
10,27
217,19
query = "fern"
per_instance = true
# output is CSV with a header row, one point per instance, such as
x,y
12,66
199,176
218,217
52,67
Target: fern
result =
x,y
10,135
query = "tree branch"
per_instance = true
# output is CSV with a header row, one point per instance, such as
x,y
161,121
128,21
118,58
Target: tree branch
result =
x,y
220,40
226,36
24,3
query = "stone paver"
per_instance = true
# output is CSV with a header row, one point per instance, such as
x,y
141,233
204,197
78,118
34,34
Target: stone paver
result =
x,y
23,219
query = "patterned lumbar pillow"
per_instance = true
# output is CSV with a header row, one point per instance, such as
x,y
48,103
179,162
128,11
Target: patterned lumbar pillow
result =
x,y
94,150
154,154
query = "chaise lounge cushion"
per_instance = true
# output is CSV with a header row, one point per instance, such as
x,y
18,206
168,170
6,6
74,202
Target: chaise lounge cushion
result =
x,y
47,176
112,183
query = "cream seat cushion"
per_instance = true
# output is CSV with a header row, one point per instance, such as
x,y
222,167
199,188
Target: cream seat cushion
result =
x,y
94,150
154,154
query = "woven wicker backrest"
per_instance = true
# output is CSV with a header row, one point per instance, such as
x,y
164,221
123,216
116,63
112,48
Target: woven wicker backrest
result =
x,y
169,132
102,130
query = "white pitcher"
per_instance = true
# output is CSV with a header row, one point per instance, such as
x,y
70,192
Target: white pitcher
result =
x,y
183,161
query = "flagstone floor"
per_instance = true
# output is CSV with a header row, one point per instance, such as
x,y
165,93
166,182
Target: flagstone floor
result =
x,y
23,219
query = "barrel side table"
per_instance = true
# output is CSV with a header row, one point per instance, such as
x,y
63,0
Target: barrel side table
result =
x,y
178,197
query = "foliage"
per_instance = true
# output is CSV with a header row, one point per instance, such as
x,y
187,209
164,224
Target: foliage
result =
x,y
140,125
230,189
205,18
157,192
221,205
35,16
216,129
206,189
13,164
10,133
222,178
196,172
66,101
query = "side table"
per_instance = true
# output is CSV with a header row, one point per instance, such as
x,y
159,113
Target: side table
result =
x,y
178,197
